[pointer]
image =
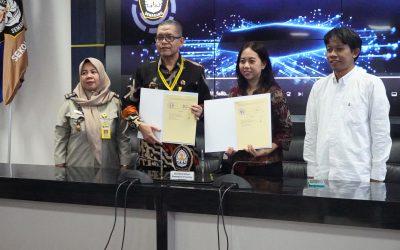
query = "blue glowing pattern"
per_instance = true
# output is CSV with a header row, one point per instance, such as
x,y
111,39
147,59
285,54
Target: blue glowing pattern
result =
x,y
379,45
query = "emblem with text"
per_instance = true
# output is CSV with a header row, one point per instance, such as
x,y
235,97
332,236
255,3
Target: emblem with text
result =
x,y
182,158
153,9
147,14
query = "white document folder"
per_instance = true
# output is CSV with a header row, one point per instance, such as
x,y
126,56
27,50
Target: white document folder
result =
x,y
220,130
151,110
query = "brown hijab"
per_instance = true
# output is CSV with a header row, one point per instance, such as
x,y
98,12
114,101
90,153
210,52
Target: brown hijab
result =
x,y
89,101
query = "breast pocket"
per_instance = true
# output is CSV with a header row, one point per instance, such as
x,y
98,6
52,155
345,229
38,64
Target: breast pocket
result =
x,y
190,87
111,120
356,112
77,123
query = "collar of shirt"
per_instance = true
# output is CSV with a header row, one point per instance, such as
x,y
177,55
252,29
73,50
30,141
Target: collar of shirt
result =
x,y
346,78
165,70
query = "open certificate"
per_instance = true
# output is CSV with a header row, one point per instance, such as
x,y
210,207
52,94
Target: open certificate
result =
x,y
179,122
169,111
252,123
236,122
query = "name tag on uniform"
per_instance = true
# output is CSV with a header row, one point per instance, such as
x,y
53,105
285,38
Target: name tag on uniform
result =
x,y
105,131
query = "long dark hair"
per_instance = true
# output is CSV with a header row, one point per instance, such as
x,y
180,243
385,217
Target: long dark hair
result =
x,y
267,77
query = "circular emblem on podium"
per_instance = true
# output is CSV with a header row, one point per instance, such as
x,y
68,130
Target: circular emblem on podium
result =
x,y
182,158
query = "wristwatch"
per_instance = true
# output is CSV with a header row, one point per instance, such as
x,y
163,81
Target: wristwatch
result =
x,y
134,121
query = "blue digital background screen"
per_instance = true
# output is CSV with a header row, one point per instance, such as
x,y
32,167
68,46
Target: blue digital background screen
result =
x,y
292,31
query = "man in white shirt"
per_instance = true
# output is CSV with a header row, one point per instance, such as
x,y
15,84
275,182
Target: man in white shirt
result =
x,y
347,118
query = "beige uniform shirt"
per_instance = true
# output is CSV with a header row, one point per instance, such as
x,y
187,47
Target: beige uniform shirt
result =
x,y
71,143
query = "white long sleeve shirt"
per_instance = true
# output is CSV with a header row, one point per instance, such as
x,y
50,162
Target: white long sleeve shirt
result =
x,y
347,128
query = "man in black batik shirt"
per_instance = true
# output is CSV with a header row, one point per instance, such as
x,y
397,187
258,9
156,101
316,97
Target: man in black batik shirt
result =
x,y
170,72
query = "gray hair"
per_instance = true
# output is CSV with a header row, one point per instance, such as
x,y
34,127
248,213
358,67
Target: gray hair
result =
x,y
175,23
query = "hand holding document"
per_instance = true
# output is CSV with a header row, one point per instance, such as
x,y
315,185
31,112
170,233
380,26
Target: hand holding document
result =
x,y
237,122
170,111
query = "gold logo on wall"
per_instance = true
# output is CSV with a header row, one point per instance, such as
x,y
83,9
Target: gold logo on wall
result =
x,y
153,9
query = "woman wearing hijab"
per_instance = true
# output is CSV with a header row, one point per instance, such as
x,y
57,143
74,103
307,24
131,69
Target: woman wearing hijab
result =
x,y
89,132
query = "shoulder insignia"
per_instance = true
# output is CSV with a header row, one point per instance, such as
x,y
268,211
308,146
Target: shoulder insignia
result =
x,y
193,62
143,66
70,95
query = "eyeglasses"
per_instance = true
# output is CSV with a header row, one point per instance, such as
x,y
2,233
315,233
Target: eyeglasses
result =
x,y
168,38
